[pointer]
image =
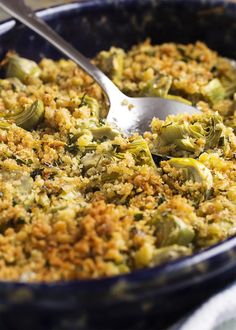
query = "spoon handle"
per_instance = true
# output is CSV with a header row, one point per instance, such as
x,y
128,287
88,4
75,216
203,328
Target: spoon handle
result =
x,y
18,10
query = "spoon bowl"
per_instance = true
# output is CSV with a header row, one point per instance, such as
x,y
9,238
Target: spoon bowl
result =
x,y
134,114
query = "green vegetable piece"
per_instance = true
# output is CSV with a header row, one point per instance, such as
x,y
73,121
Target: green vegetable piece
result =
x,y
12,83
230,88
90,160
211,129
177,134
17,85
21,68
181,134
228,76
29,117
194,170
112,63
104,131
228,81
139,149
169,253
159,86
214,91
92,103
170,229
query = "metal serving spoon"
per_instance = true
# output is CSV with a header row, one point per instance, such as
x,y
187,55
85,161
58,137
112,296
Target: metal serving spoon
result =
x,y
128,113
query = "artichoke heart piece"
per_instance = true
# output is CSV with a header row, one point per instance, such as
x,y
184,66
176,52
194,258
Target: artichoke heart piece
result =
x,y
229,86
104,131
140,151
29,117
181,134
90,160
112,63
13,83
138,148
170,229
214,91
214,131
169,253
193,170
21,68
177,134
159,86
92,104
227,76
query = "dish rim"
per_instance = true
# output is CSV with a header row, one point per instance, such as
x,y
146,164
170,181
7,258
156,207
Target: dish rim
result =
x,y
171,267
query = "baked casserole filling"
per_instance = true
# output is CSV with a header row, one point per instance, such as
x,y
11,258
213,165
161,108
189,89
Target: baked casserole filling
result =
x,y
78,199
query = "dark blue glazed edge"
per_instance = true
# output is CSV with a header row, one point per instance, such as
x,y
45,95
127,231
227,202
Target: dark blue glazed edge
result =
x,y
172,268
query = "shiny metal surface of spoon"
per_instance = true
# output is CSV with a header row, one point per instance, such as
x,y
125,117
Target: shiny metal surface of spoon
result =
x,y
128,113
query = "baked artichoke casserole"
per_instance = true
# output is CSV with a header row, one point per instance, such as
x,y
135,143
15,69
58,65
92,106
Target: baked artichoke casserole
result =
x,y
78,199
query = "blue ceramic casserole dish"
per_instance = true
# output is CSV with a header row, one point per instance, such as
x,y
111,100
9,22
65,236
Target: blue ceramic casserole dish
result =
x,y
146,299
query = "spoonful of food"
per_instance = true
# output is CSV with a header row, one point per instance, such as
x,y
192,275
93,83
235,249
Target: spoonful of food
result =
x,y
130,114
